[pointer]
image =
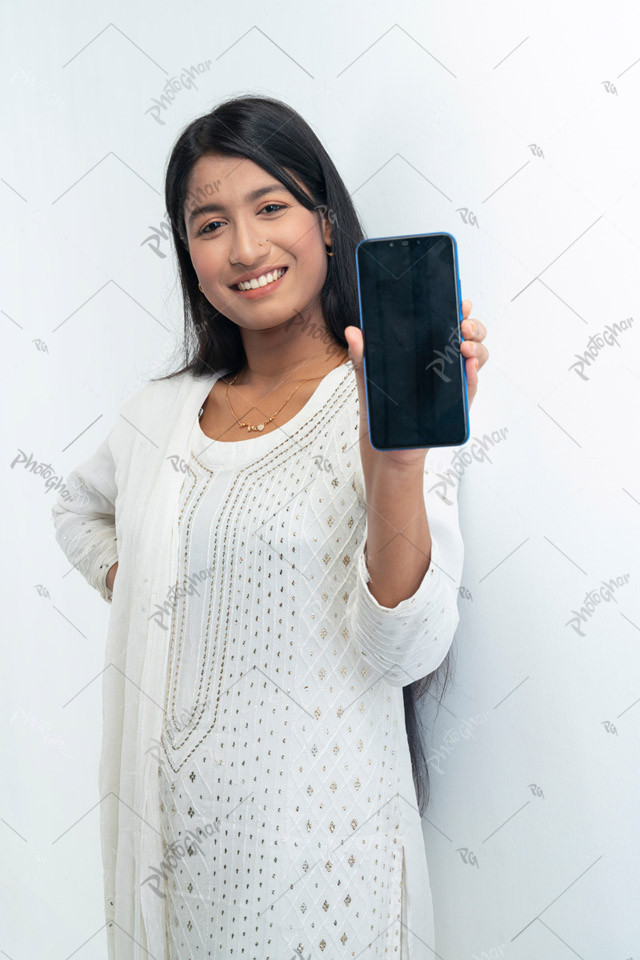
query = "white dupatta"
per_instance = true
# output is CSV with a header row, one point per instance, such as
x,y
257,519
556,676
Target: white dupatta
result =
x,y
146,452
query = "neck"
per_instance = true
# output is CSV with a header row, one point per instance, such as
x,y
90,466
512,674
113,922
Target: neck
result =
x,y
289,353
312,368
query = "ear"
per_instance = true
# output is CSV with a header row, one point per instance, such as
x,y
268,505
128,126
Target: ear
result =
x,y
326,231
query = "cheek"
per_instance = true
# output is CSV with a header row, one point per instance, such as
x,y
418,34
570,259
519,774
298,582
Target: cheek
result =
x,y
206,266
310,254
303,240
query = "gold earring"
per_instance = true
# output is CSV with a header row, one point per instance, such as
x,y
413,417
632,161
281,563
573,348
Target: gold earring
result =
x,y
200,289
329,254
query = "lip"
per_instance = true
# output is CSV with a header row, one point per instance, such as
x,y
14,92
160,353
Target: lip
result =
x,y
260,292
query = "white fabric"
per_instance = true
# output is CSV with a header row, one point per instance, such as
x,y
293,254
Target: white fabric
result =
x,y
275,526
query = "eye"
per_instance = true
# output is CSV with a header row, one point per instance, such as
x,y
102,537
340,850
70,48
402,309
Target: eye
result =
x,y
277,206
211,223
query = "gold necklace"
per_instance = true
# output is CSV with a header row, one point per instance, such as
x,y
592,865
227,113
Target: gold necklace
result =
x,y
260,426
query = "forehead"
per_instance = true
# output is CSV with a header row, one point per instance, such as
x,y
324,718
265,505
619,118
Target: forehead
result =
x,y
222,180
231,177
229,169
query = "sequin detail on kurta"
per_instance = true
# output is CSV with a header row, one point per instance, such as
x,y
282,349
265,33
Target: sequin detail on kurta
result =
x,y
284,768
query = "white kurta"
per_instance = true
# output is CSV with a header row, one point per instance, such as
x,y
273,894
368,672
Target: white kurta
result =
x,y
256,786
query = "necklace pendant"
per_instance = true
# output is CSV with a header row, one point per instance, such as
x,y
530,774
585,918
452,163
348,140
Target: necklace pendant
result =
x,y
260,426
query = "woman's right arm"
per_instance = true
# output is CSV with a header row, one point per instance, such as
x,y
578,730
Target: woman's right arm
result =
x,y
84,519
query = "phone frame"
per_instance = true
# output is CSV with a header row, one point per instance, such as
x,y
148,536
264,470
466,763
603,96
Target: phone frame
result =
x,y
416,236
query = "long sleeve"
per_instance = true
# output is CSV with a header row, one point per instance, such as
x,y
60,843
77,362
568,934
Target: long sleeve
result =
x,y
84,518
409,641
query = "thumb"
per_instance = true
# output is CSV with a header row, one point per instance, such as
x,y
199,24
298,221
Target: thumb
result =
x,y
355,342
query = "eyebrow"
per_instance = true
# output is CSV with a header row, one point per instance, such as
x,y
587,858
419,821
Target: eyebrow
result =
x,y
219,208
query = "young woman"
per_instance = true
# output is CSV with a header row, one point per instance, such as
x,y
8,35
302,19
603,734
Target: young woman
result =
x,y
282,592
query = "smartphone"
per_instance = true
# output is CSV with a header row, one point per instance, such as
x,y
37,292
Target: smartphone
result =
x,y
410,316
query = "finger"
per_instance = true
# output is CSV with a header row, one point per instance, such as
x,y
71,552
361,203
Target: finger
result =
x,y
473,329
471,372
471,350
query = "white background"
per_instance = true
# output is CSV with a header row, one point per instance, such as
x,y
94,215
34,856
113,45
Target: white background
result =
x,y
515,128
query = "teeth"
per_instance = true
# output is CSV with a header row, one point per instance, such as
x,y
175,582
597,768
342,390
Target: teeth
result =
x,y
261,281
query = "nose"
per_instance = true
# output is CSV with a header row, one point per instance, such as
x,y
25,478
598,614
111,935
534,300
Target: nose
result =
x,y
247,244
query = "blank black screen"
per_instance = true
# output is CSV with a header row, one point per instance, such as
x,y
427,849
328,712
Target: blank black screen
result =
x,y
410,318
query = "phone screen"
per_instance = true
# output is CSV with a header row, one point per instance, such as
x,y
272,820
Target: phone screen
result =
x,y
410,313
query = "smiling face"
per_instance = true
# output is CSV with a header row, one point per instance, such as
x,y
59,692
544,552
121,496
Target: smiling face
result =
x,y
226,233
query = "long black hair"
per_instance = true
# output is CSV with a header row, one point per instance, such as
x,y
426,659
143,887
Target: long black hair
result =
x,y
276,137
